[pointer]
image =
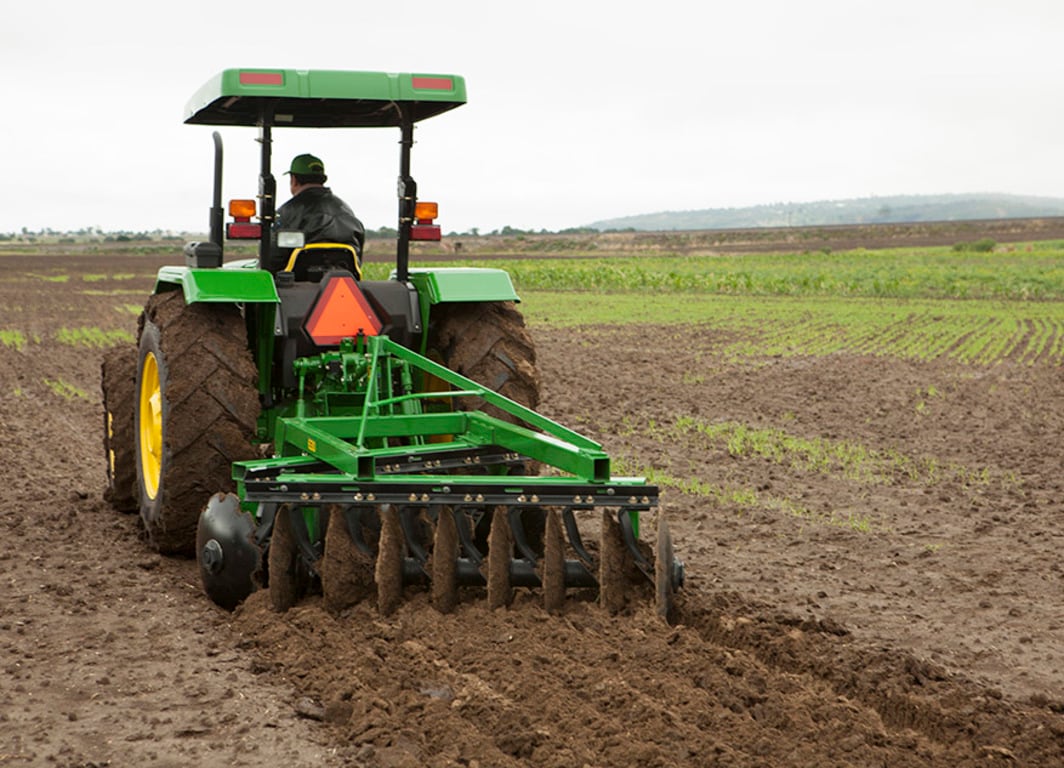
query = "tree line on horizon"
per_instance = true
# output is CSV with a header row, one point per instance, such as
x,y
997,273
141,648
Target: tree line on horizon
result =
x,y
897,209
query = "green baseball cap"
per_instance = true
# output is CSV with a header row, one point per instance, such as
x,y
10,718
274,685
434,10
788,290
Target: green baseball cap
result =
x,y
306,165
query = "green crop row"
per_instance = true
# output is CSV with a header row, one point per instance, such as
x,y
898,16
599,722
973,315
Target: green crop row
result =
x,y
92,337
975,332
848,459
744,499
13,339
95,278
1029,272
66,390
60,278
114,292
96,338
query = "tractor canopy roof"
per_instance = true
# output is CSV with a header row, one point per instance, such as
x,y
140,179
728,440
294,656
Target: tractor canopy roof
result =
x,y
322,98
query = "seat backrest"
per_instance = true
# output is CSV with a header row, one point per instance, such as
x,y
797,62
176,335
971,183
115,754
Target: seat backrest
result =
x,y
312,261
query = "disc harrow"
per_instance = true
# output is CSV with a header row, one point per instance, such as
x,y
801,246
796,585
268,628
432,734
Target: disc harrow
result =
x,y
378,553
395,497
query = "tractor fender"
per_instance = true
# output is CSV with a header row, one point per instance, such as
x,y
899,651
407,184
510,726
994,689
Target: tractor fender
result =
x,y
445,285
453,285
237,282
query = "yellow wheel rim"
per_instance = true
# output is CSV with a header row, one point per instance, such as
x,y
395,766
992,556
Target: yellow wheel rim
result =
x,y
151,425
111,443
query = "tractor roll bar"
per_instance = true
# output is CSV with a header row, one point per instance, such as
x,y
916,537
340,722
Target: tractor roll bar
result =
x,y
407,197
407,189
267,189
217,214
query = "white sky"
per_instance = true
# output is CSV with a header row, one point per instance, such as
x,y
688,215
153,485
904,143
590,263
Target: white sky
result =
x,y
578,111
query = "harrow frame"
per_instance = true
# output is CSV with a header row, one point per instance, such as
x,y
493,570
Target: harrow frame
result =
x,y
334,452
347,427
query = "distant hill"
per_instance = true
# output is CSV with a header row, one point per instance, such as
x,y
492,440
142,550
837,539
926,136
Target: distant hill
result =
x,y
869,210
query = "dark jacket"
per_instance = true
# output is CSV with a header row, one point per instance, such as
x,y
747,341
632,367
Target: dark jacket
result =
x,y
322,217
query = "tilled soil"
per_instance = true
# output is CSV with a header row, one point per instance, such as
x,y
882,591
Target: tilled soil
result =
x,y
908,615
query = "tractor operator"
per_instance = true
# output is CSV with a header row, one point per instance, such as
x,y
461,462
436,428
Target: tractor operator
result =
x,y
315,211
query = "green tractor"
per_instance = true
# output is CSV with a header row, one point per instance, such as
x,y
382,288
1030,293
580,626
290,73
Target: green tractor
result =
x,y
299,428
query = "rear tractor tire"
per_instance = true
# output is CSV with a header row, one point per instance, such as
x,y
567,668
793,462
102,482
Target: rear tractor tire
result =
x,y
488,343
195,413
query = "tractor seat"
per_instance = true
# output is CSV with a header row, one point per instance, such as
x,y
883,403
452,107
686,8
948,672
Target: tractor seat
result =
x,y
312,261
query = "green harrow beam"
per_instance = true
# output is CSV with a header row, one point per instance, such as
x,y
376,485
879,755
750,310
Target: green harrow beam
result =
x,y
347,436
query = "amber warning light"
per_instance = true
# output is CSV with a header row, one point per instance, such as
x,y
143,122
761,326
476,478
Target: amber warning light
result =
x,y
423,227
341,312
241,227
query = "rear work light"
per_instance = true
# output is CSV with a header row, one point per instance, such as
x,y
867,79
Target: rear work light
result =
x,y
423,227
341,312
242,228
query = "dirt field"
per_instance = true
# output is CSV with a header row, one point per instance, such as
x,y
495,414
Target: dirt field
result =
x,y
908,620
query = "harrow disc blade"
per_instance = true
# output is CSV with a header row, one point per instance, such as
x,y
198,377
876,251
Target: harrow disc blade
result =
x,y
229,557
445,563
288,580
613,556
500,552
346,572
553,571
389,569
664,570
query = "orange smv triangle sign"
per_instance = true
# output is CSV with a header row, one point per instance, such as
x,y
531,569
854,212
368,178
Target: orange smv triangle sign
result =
x,y
341,312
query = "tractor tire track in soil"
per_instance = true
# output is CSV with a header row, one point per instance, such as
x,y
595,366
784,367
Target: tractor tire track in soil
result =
x,y
927,635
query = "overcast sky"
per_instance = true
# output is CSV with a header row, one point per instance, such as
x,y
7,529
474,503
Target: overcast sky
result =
x,y
578,111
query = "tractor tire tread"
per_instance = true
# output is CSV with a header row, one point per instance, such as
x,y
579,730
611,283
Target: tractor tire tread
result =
x,y
118,375
489,343
212,413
